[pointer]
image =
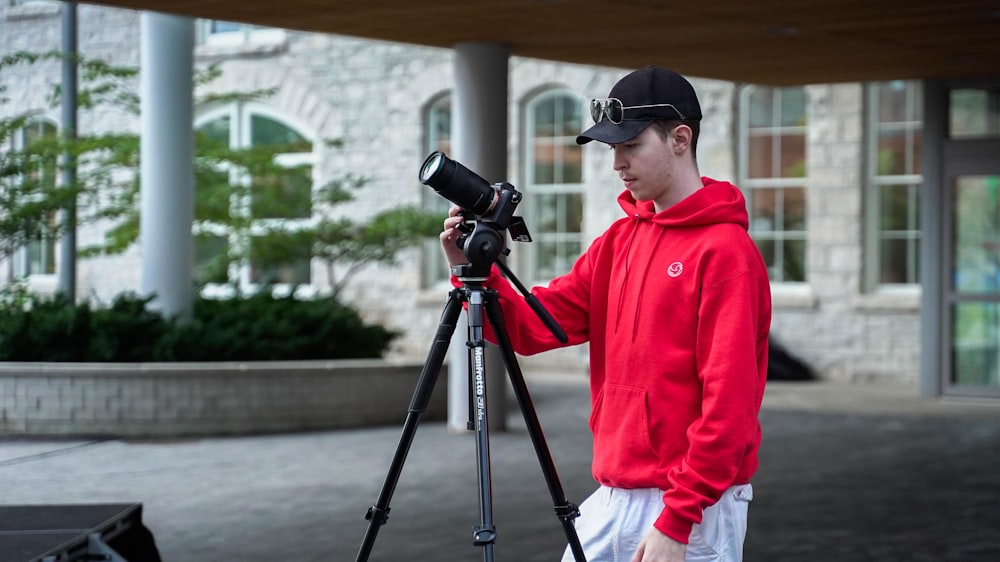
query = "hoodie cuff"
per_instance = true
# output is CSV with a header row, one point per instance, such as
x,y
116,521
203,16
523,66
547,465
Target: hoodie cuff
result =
x,y
673,526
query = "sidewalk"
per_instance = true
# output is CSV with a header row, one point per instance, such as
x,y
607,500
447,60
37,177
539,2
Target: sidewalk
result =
x,y
848,473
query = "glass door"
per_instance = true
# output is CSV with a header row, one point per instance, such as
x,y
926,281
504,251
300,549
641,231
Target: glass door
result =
x,y
974,299
972,243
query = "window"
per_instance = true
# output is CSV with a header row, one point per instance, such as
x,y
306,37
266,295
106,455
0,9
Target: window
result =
x,y
553,182
236,34
437,136
974,114
37,257
892,198
253,192
773,174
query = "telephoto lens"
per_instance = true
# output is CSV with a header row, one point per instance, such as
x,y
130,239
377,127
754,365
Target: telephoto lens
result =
x,y
458,184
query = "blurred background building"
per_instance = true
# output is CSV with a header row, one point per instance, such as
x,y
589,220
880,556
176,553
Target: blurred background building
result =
x,y
884,263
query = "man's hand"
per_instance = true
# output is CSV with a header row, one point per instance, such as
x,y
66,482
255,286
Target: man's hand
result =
x,y
657,547
449,237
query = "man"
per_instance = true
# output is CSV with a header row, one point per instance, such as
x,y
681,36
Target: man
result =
x,y
675,302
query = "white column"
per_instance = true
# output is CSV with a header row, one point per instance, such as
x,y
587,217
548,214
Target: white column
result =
x,y
167,162
933,269
67,172
479,142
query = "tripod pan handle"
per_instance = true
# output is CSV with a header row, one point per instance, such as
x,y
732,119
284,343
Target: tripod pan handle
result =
x,y
547,319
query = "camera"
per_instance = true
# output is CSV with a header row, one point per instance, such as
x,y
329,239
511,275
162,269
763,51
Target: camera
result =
x,y
490,206
493,203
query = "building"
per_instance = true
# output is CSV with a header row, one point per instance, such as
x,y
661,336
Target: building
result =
x,y
874,202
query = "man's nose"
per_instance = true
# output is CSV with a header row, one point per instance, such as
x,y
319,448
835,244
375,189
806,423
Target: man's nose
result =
x,y
619,161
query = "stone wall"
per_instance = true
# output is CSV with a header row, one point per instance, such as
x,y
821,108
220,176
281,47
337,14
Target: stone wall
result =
x,y
187,399
844,330
372,95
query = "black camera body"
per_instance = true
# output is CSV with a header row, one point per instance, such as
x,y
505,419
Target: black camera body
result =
x,y
489,208
507,200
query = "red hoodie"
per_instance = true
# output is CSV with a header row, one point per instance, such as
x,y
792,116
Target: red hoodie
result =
x,y
677,307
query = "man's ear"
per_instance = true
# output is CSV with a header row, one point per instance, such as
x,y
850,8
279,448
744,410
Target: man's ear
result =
x,y
681,136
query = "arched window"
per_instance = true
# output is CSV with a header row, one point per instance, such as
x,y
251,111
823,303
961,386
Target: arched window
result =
x,y
37,257
553,184
253,191
773,176
437,136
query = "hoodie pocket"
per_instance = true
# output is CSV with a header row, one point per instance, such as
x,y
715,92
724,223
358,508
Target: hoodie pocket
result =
x,y
623,450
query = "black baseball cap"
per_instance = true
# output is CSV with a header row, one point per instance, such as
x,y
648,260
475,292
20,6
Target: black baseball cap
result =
x,y
646,95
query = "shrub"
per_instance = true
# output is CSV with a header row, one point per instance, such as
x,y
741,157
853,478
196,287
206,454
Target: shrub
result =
x,y
256,328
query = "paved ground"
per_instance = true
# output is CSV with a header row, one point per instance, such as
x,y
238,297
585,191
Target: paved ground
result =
x,y
848,473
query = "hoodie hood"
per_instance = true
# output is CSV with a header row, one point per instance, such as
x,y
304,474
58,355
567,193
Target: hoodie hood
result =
x,y
716,202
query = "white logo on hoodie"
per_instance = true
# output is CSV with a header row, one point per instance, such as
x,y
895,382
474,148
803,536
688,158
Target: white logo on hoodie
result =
x,y
675,269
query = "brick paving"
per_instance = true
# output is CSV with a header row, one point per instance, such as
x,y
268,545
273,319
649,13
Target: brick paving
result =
x,y
848,473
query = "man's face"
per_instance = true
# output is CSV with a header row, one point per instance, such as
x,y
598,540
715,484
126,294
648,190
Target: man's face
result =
x,y
645,164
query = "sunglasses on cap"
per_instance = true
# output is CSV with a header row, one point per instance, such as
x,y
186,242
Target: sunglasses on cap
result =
x,y
613,109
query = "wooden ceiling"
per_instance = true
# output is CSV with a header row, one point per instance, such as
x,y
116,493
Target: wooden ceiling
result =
x,y
776,42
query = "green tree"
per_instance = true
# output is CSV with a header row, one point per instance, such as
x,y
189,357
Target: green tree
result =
x,y
30,151
353,245
234,189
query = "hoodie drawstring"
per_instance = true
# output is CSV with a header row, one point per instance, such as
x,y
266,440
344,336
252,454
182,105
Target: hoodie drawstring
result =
x,y
628,267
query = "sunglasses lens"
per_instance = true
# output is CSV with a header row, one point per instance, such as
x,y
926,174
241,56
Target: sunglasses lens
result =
x,y
614,111
596,110
610,108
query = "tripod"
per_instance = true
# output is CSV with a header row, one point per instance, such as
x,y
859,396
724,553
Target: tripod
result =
x,y
478,299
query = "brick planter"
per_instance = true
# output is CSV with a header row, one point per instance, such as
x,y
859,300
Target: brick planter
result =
x,y
185,399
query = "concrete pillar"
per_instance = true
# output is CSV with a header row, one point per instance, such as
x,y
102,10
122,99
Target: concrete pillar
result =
x,y
167,162
479,142
933,270
67,171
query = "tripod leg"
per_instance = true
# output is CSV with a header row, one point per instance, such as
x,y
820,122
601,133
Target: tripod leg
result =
x,y
485,533
565,511
378,514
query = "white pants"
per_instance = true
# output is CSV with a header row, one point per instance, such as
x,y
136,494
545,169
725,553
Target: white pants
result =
x,y
613,521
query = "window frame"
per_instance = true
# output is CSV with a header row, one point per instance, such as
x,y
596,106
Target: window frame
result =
x,y
434,270
240,116
750,186
244,34
875,183
24,258
529,259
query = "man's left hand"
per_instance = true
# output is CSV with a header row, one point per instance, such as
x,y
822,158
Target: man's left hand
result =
x,y
657,547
